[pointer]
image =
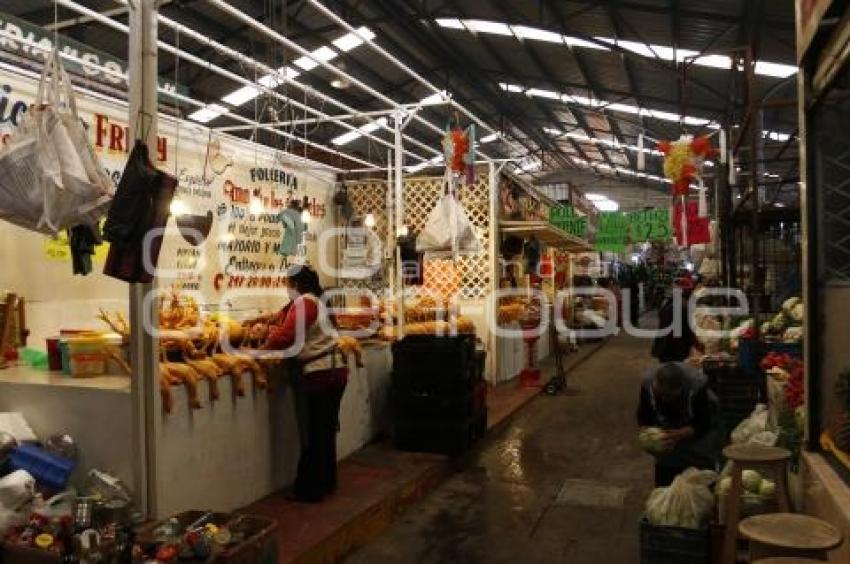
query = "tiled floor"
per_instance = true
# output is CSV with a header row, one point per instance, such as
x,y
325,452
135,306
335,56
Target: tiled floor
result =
x,y
375,485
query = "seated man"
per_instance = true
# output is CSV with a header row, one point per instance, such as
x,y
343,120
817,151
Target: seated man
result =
x,y
674,397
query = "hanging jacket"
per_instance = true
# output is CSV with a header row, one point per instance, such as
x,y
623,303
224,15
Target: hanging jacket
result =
x,y
141,204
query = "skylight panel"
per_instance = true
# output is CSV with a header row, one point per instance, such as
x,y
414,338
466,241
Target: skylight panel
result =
x,y
241,95
578,42
777,70
435,98
350,136
450,23
323,54
484,26
543,93
525,32
351,40
208,113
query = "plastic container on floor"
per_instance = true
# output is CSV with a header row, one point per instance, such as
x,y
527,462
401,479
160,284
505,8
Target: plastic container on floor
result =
x,y
436,365
48,469
443,437
412,405
259,544
673,545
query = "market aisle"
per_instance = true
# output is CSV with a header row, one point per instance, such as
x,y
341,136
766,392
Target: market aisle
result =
x,y
564,482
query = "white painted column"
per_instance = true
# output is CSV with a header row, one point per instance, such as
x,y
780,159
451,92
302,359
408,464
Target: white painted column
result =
x,y
142,83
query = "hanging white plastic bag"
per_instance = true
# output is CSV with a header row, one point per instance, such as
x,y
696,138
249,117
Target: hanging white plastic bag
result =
x,y
448,230
51,178
28,162
688,502
85,191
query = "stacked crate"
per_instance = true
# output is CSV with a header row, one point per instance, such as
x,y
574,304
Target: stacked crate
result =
x,y
438,393
738,391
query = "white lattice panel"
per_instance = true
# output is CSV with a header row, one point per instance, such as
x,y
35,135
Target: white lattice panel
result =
x,y
420,196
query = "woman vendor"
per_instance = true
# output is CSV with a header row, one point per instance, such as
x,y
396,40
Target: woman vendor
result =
x,y
302,329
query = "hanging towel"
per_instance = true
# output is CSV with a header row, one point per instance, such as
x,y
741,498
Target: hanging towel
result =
x,y
83,239
293,231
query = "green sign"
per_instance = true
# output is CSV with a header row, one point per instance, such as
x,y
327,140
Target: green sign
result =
x,y
563,217
650,225
616,229
613,232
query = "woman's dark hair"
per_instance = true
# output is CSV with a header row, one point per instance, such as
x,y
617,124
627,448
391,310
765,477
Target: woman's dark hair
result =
x,y
305,280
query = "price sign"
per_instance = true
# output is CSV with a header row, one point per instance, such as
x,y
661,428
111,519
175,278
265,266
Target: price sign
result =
x,y
563,217
649,225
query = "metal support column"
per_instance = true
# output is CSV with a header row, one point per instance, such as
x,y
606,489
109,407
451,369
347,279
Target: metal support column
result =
x,y
142,82
398,189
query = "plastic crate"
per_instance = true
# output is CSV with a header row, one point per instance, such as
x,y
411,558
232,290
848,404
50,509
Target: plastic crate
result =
x,y
259,545
48,469
673,545
13,554
435,365
411,405
749,361
451,438
747,357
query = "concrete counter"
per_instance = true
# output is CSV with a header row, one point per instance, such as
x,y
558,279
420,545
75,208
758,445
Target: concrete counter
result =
x,y
239,449
226,455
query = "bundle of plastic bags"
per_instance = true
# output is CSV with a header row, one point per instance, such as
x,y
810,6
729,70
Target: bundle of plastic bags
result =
x,y
50,177
688,502
448,231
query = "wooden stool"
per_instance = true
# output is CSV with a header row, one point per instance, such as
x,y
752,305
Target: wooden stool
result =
x,y
789,534
763,459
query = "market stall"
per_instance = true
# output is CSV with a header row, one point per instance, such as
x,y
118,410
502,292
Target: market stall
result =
x,y
221,259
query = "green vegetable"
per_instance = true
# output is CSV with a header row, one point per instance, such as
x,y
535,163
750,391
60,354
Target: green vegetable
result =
x,y
751,480
767,489
652,440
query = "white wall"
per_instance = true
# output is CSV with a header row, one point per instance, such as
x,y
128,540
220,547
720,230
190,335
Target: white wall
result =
x,y
57,299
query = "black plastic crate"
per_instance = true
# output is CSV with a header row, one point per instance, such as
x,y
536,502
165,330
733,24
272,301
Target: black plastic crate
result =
x,y
673,545
443,437
436,365
412,405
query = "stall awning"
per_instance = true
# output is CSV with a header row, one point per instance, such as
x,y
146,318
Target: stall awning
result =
x,y
547,233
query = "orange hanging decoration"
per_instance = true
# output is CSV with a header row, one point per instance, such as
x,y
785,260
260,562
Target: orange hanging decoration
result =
x,y
683,159
460,142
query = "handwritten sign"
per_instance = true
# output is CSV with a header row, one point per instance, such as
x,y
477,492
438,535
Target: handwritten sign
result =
x,y
613,232
616,229
649,225
58,249
563,217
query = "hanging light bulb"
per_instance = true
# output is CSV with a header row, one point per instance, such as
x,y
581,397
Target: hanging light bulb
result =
x,y
402,231
178,207
256,206
305,216
369,220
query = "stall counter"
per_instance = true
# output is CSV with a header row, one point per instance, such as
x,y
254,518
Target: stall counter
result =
x,y
239,449
94,411
224,456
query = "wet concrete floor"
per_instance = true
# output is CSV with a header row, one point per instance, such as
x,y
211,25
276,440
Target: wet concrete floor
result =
x,y
564,481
